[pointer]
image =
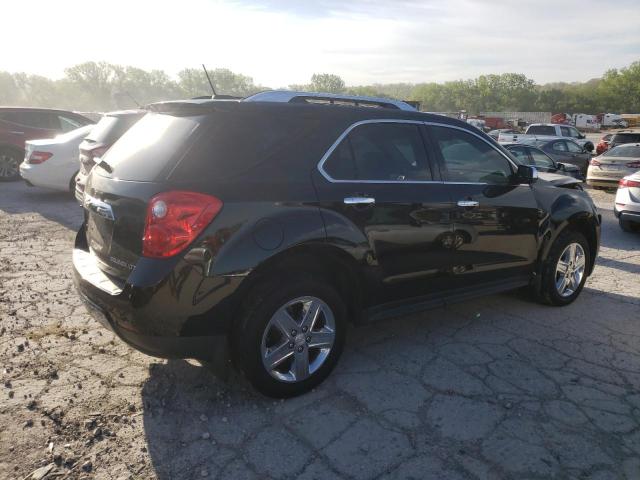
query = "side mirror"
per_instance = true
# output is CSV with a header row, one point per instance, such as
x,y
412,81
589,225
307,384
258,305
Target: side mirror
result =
x,y
526,174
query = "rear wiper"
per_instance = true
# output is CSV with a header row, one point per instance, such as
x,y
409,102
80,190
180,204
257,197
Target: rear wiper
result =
x,y
105,166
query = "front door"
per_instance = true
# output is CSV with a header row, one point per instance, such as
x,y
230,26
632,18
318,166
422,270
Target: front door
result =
x,y
495,221
376,189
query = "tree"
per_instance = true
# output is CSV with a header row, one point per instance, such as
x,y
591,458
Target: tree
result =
x,y
326,82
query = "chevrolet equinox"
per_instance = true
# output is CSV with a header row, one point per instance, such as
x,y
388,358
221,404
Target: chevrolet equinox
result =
x,y
256,229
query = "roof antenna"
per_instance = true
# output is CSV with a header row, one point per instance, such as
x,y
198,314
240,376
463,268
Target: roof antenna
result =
x,y
210,82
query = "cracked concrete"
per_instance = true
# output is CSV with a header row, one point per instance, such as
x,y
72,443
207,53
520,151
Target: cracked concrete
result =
x,y
493,388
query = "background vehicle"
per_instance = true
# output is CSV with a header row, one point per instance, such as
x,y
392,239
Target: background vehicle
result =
x,y
561,118
617,162
563,150
106,132
627,203
264,225
18,124
584,121
53,163
603,144
496,133
530,155
544,131
612,120
620,138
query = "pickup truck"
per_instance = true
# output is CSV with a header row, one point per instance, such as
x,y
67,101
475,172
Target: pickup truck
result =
x,y
543,131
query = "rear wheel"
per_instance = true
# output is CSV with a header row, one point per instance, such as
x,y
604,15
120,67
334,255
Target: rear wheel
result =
x,y
290,335
565,269
9,164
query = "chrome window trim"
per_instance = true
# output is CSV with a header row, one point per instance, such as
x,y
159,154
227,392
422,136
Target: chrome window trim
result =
x,y
348,130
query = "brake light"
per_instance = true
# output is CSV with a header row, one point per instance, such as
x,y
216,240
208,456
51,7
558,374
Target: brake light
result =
x,y
594,162
633,164
174,219
39,157
628,183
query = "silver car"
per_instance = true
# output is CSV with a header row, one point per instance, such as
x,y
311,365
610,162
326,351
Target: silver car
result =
x,y
606,170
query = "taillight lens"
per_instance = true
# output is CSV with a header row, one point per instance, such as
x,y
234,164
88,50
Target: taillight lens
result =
x,y
633,164
174,220
594,162
625,182
39,157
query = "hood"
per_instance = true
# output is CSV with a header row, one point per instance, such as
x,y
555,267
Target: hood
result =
x,y
558,180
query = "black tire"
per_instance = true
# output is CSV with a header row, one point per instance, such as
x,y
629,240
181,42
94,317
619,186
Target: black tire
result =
x,y
548,293
72,185
10,164
627,226
260,306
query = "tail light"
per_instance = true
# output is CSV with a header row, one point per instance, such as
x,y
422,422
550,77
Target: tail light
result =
x,y
174,220
625,182
39,157
633,164
594,162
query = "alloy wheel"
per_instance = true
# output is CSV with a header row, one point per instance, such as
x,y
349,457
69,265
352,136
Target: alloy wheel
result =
x,y
298,339
8,165
570,269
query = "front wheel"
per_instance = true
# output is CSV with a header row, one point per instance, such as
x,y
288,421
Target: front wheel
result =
x,y
9,165
565,269
290,336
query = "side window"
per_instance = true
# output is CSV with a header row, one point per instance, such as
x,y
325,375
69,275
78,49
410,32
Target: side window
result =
x,y
574,147
468,158
565,131
33,119
383,151
540,159
574,132
520,153
559,146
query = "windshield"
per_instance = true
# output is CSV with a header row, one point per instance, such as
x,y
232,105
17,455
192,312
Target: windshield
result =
x,y
625,138
623,151
110,128
73,134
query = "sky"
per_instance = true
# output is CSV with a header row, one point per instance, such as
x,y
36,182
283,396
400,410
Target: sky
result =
x,y
283,42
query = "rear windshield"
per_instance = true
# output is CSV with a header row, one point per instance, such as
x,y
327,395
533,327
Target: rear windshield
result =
x,y
625,138
623,151
150,147
109,128
541,130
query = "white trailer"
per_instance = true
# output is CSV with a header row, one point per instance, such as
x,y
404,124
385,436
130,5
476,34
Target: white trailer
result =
x,y
586,122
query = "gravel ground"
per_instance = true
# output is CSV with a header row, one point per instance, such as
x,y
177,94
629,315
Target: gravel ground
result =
x,y
493,388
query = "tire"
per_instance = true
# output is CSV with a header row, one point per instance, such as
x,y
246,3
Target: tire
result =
x,y
257,335
550,288
10,164
72,185
627,226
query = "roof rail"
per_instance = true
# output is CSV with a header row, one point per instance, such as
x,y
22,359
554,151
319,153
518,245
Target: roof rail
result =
x,y
289,96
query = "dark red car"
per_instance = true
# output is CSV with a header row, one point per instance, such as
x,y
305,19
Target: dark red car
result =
x,y
18,124
603,144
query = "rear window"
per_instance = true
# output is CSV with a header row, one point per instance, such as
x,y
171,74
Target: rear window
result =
x,y
110,128
150,148
626,138
541,130
623,151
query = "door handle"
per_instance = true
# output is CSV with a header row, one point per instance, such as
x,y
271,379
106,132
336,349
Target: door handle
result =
x,y
359,200
468,203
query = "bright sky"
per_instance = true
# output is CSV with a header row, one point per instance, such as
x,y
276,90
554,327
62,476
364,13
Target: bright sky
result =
x,y
281,42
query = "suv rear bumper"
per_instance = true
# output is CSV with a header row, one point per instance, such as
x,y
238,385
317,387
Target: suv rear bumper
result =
x,y
132,313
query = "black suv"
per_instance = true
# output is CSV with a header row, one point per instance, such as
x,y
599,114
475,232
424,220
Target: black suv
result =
x,y
261,227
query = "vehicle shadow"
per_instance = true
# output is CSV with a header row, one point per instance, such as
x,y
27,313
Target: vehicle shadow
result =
x,y
59,207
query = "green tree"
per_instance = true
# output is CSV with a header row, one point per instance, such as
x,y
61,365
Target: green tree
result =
x,y
326,82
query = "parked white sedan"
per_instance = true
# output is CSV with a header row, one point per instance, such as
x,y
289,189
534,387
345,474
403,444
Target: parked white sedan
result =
x,y
53,163
627,205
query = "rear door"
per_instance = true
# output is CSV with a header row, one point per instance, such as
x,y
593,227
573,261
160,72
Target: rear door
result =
x,y
495,220
382,202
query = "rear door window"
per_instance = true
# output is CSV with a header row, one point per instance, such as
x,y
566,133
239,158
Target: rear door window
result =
x,y
34,119
467,158
384,151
